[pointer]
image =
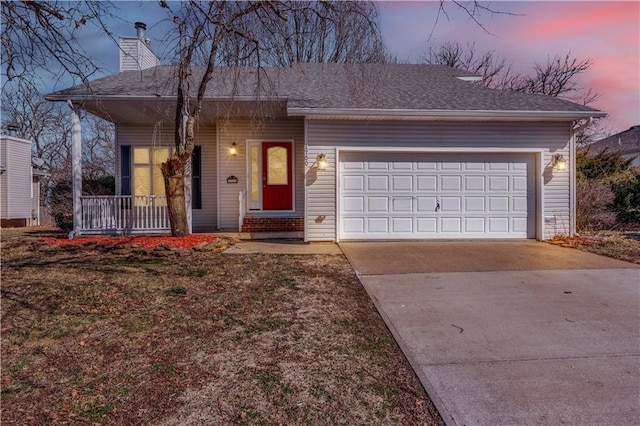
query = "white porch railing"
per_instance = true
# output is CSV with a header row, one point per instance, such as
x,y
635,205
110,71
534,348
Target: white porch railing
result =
x,y
124,214
242,208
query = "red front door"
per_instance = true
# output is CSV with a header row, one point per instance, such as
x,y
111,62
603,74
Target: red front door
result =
x,y
277,176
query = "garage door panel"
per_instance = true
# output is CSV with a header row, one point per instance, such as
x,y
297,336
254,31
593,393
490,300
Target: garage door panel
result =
x,y
353,183
451,165
378,225
401,165
502,166
474,183
427,183
426,165
520,204
519,224
378,165
354,204
451,224
402,225
426,204
427,225
402,183
353,225
378,204
499,224
498,183
474,204
402,204
378,183
498,204
451,204
519,183
475,166
353,165
451,183
413,196
474,224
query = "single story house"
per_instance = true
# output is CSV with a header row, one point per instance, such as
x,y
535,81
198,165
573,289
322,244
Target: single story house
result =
x,y
338,151
625,143
19,183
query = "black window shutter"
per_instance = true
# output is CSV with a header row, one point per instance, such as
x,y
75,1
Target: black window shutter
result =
x,y
125,170
196,178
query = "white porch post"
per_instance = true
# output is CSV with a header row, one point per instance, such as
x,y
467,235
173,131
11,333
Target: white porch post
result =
x,y
76,169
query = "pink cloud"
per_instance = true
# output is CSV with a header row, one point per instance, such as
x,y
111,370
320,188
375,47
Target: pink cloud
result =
x,y
583,18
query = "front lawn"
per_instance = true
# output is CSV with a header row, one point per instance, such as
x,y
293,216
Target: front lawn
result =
x,y
618,245
95,336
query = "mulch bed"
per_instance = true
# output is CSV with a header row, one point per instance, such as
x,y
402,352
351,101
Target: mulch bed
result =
x,y
162,245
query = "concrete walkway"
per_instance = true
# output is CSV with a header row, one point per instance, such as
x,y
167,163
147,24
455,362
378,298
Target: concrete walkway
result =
x,y
512,333
283,247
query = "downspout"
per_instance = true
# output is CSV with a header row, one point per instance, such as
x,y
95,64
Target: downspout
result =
x,y
76,169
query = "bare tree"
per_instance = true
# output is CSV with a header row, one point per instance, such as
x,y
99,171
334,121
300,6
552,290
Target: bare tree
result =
x,y
40,38
558,77
489,65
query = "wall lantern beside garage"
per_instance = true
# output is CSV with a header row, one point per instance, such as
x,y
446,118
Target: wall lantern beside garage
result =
x,y
233,149
560,162
321,161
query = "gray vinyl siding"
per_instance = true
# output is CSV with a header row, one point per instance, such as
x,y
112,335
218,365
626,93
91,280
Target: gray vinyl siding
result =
x,y
241,131
16,179
204,219
323,136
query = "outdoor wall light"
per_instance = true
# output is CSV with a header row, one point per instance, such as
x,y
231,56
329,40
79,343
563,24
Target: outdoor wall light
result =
x,y
560,162
233,149
321,161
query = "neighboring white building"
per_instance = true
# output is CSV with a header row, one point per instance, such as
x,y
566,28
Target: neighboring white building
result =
x,y
19,184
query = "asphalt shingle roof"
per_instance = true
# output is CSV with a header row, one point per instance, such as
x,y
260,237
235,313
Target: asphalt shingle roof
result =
x,y
627,142
332,86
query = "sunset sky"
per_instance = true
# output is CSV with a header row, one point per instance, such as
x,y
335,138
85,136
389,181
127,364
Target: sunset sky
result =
x,y
529,32
606,32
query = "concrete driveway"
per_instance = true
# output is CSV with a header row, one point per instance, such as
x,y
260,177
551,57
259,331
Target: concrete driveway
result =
x,y
511,333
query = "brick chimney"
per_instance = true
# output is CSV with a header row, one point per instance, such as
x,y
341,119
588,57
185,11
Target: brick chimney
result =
x,y
135,52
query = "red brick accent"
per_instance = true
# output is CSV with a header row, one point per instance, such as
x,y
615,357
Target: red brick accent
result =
x,y
272,224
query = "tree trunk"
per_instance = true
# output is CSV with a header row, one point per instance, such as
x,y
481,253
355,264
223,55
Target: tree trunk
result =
x,y
173,172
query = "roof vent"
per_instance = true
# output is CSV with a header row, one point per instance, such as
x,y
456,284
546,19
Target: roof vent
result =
x,y
141,27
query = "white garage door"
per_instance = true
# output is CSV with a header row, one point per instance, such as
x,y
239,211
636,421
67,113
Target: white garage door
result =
x,y
415,196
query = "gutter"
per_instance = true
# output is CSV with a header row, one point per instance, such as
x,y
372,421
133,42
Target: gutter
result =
x,y
82,98
440,115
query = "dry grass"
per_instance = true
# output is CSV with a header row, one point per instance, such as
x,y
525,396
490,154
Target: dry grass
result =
x,y
102,338
618,245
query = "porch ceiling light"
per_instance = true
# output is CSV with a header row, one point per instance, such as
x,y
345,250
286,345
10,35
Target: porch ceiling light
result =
x,y
321,161
560,162
233,149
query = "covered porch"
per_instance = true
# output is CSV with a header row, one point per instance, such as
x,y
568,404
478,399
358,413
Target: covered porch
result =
x,y
218,187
